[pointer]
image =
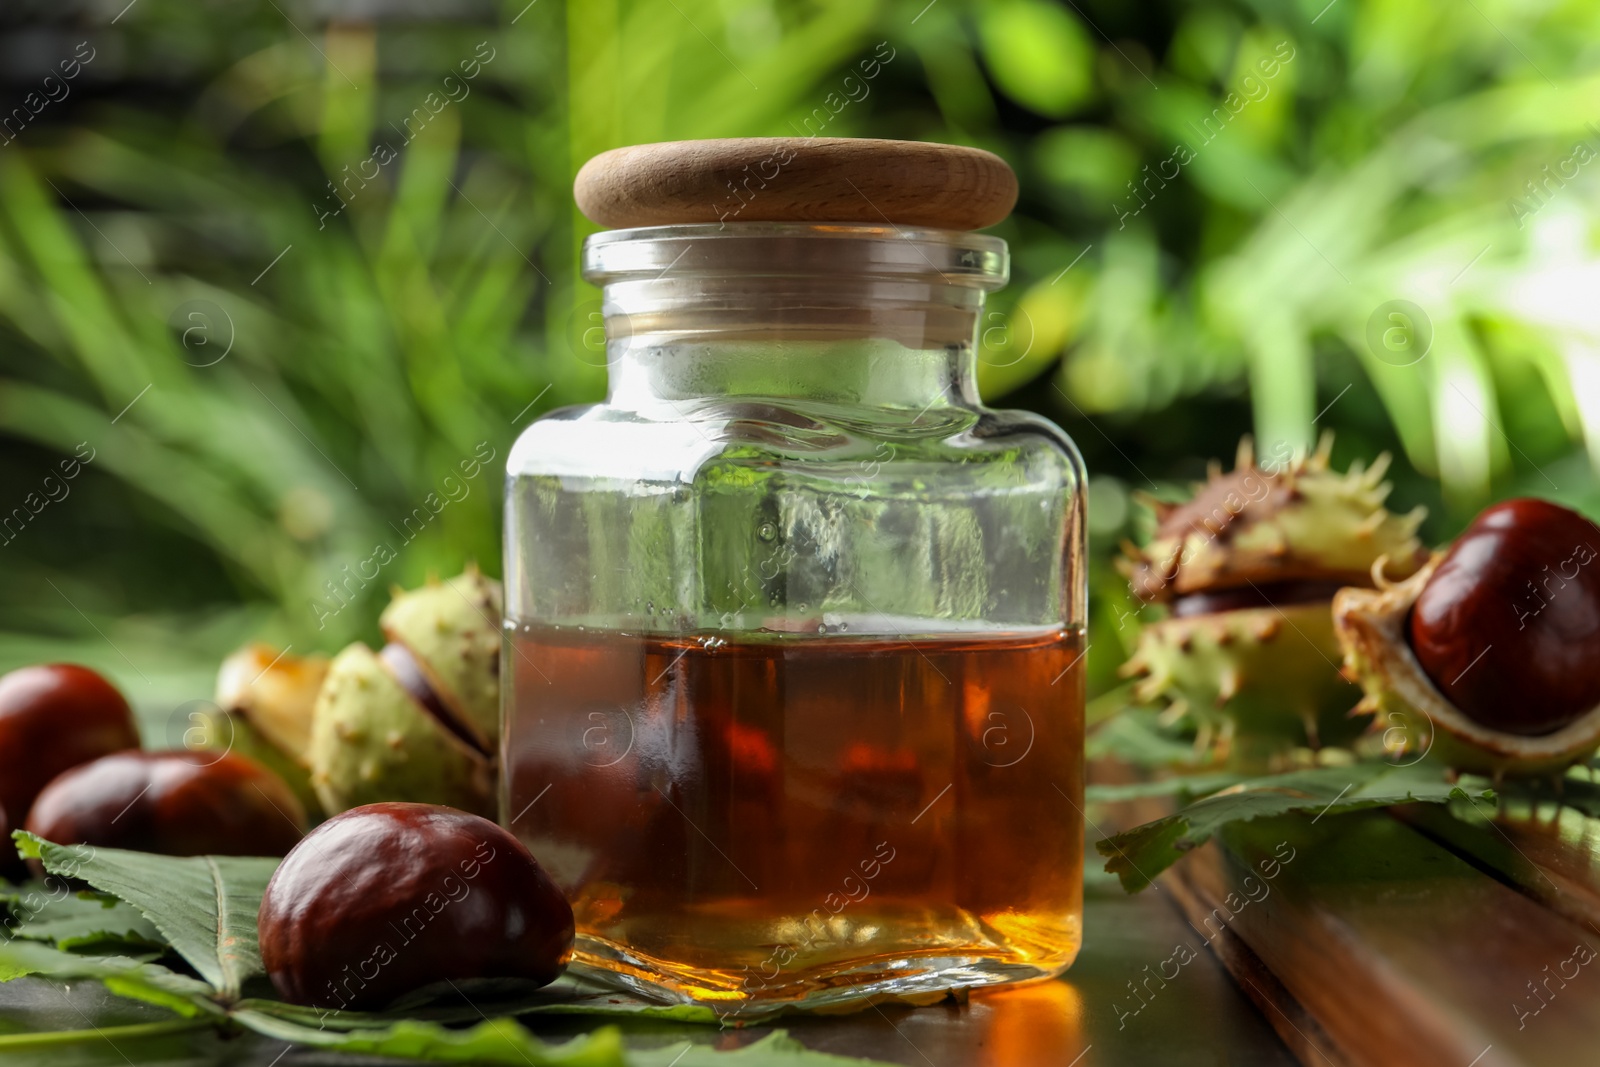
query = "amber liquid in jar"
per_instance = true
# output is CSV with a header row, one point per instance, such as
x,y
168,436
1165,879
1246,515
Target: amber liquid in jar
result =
x,y
783,819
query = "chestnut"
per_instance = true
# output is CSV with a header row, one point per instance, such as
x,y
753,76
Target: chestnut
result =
x,y
181,803
1508,626
385,898
54,716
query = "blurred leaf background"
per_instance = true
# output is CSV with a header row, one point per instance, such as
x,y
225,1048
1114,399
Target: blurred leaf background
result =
x,y
284,269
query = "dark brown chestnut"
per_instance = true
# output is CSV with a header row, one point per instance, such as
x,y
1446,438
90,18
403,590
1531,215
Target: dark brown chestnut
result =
x,y
54,716
181,803
385,898
1508,627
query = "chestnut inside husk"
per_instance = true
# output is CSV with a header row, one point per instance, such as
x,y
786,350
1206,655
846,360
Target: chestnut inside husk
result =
x,y
1242,576
1508,628
1483,679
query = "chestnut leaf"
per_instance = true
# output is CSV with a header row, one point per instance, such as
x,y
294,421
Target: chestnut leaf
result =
x,y
1186,787
1138,855
205,906
492,1041
124,976
470,999
1135,736
505,1041
80,922
122,930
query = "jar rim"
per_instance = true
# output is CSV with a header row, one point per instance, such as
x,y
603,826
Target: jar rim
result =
x,y
796,249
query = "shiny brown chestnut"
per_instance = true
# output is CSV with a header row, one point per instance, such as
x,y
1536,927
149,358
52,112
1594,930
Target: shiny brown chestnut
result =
x,y
1508,627
54,716
180,803
385,898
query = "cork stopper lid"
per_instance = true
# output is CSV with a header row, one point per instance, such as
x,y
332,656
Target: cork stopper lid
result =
x,y
797,179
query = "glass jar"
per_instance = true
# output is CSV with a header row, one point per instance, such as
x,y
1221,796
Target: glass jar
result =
x,y
795,628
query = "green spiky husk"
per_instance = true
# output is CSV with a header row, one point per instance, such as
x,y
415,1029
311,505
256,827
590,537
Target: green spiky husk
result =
x,y
452,628
1258,527
371,741
1266,675
1416,717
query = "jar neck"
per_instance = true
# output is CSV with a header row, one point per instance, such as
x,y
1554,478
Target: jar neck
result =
x,y
848,315
843,342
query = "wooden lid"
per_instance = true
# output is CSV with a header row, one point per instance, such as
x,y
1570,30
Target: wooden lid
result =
x,y
797,179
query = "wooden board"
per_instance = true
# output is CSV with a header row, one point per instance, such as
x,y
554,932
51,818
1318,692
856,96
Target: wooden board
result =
x,y
1399,950
1552,855
1196,895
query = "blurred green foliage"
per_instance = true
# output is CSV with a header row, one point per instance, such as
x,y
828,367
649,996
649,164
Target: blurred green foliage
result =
x,y
286,270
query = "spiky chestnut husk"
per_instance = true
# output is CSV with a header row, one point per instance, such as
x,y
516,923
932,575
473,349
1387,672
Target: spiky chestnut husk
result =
x,y
452,628
1371,625
1258,673
1251,526
372,741
1266,675
265,699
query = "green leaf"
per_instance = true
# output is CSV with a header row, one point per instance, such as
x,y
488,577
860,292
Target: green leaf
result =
x,y
468,1000
1134,735
505,1041
1138,855
205,906
1186,786
12,1044
135,979
1038,54
80,921
493,1041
